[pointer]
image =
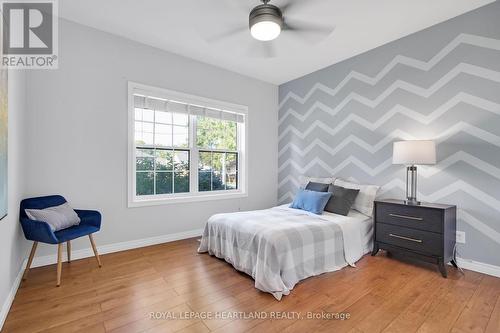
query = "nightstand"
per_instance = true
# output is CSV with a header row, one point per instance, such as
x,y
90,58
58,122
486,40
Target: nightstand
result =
x,y
425,231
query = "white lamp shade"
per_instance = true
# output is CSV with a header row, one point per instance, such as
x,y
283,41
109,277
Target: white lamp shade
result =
x,y
414,152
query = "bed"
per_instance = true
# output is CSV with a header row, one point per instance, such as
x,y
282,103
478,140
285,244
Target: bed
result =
x,y
281,246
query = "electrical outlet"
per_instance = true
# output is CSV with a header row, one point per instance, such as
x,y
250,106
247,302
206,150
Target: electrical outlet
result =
x,y
460,237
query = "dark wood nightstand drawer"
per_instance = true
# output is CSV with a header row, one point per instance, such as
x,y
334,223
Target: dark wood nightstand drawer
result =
x,y
417,240
425,231
416,217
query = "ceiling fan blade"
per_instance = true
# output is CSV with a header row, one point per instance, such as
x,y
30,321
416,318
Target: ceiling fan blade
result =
x,y
224,35
293,5
300,25
312,32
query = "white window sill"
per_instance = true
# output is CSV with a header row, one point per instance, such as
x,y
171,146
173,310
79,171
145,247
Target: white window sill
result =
x,y
138,202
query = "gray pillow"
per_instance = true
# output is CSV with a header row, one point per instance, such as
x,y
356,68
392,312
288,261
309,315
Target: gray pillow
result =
x,y
57,217
317,187
341,200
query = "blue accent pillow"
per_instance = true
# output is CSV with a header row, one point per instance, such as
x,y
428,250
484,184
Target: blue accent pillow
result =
x,y
311,201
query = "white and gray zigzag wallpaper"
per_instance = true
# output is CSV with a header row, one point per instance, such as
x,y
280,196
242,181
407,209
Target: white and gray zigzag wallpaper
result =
x,y
442,83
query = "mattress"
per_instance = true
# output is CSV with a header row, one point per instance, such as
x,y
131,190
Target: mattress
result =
x,y
365,227
280,246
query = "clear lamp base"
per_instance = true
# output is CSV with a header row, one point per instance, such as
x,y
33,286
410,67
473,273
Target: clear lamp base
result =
x,y
412,202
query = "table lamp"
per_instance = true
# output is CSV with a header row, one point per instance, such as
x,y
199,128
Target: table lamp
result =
x,y
412,153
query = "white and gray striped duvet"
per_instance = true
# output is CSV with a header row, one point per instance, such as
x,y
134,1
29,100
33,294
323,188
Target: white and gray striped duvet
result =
x,y
280,246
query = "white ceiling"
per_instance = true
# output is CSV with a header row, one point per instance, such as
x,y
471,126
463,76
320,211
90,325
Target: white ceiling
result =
x,y
184,26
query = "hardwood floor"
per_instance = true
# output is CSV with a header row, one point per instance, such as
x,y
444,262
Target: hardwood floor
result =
x,y
381,295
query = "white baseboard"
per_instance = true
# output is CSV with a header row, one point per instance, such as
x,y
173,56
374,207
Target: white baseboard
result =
x,y
10,298
116,247
480,267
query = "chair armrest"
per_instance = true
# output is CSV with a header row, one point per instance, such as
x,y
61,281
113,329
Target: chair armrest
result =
x,y
38,231
89,217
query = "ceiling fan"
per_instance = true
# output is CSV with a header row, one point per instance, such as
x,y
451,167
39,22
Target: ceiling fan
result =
x,y
266,22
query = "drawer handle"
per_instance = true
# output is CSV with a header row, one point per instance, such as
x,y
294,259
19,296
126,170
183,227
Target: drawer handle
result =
x,y
407,217
406,238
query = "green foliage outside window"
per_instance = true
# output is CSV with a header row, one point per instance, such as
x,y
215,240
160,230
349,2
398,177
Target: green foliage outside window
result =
x,y
217,170
171,174
165,170
216,134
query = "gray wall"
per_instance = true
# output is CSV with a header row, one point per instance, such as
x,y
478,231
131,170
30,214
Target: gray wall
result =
x,y
442,83
13,246
77,131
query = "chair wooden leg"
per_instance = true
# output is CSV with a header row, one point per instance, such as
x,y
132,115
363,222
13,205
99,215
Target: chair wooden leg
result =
x,y
68,247
95,250
30,260
59,263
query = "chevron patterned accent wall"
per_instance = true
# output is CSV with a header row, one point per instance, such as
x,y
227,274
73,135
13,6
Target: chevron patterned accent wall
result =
x,y
442,83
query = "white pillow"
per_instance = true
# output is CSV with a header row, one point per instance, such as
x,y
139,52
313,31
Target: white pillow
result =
x,y
57,217
304,180
364,201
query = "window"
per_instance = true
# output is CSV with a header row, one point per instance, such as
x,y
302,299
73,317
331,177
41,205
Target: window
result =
x,y
161,152
218,154
184,148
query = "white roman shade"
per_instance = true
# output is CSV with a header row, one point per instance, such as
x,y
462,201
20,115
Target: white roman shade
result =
x,y
157,104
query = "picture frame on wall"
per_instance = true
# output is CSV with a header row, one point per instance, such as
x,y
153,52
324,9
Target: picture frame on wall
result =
x,y
3,141
3,137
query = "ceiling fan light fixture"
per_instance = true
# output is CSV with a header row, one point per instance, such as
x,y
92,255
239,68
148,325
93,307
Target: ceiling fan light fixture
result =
x,y
265,30
266,22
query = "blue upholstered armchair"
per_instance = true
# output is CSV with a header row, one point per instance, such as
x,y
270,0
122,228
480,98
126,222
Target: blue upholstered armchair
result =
x,y
39,231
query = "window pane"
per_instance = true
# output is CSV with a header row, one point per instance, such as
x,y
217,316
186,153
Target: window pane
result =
x,y
144,159
217,169
231,181
181,182
138,114
147,115
164,160
204,181
216,134
181,136
164,140
163,129
217,161
231,171
163,182
181,119
144,152
217,183
205,171
163,117
181,161
163,135
205,161
144,183
144,138
231,136
143,133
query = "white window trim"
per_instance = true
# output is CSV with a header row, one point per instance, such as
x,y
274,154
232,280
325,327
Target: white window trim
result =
x,y
194,195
